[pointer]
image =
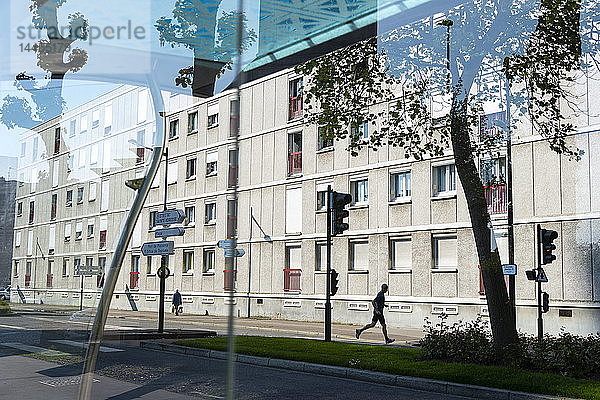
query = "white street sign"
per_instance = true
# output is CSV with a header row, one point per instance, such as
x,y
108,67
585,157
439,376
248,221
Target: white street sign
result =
x,y
509,269
234,252
169,217
87,270
541,276
168,232
226,244
161,248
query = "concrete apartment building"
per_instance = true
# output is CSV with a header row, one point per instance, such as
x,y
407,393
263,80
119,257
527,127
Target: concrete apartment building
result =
x,y
409,225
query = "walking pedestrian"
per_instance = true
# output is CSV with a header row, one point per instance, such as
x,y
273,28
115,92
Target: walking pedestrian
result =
x,y
177,302
378,305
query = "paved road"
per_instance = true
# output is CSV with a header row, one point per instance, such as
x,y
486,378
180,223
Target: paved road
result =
x,y
127,372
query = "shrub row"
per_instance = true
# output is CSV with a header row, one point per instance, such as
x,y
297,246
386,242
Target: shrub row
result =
x,y
471,342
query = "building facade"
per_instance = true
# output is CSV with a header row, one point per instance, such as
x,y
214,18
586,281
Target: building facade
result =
x,y
409,224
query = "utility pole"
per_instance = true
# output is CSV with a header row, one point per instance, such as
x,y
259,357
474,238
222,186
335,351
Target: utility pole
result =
x,y
327,279
509,197
164,259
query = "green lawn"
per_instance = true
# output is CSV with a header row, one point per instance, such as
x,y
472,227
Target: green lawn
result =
x,y
4,307
402,361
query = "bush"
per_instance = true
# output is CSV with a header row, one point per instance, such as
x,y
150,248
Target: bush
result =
x,y
471,342
4,307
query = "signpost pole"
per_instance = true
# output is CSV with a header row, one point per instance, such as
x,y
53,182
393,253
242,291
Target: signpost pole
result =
x,y
164,260
81,294
328,275
540,321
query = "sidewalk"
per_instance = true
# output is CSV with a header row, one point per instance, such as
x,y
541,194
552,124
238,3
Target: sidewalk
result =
x,y
243,326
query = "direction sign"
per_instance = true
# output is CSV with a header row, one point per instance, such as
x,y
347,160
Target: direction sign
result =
x,y
234,252
87,270
168,232
541,277
226,244
169,217
509,269
162,248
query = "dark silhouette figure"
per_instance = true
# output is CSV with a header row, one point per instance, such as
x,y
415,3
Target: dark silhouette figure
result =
x,y
378,305
177,302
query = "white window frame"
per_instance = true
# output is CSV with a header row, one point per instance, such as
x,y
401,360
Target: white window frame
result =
x,y
186,268
172,172
212,254
321,256
406,190
352,266
354,190
435,250
394,264
174,133
195,122
207,206
212,115
192,220
194,161
212,159
321,190
449,179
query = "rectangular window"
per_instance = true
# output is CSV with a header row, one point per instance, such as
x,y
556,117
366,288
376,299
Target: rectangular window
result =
x,y
95,118
173,128
29,243
493,171
444,179
55,174
83,124
324,140
18,238
190,168
401,253
69,201
360,191
444,252
210,213
104,196
51,239
67,231
322,195
151,219
295,98
190,214
193,122
23,149
188,261
140,151
80,195
102,244
108,118
211,163
53,206
295,153
149,265
172,173
142,106
72,127
234,117
94,154
78,230
361,131
293,210
31,211
65,267
232,177
231,217
491,127
321,257
208,261
293,269
213,115
90,228
92,191
400,184
56,140
19,208
359,256
16,269
102,267
103,228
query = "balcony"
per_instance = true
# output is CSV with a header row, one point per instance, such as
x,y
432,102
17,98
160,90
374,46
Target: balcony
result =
x,y
49,280
27,280
134,279
291,280
295,107
295,163
229,277
496,199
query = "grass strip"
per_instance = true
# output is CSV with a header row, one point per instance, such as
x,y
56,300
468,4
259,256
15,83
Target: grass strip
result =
x,y
5,307
402,361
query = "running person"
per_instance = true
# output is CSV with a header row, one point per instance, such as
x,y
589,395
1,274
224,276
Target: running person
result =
x,y
378,305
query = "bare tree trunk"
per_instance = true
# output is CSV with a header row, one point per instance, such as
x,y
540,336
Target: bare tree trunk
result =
x,y
503,329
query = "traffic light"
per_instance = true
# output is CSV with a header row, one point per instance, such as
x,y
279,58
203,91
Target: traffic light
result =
x,y
338,203
334,281
546,238
545,302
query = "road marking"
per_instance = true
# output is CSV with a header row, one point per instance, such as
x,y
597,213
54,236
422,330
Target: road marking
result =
x,y
73,343
129,328
208,395
66,381
34,349
13,327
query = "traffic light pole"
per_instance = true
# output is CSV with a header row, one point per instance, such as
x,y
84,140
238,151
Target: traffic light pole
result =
x,y
540,321
510,214
328,276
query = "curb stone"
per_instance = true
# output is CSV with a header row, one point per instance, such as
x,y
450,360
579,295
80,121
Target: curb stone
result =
x,y
429,385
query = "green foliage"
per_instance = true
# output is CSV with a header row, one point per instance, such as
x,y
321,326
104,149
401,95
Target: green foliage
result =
x,y
471,342
5,307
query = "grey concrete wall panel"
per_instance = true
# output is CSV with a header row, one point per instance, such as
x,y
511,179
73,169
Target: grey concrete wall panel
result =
x,y
577,261
444,284
400,215
522,180
467,260
443,211
421,193
270,101
546,164
422,259
595,250
258,107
